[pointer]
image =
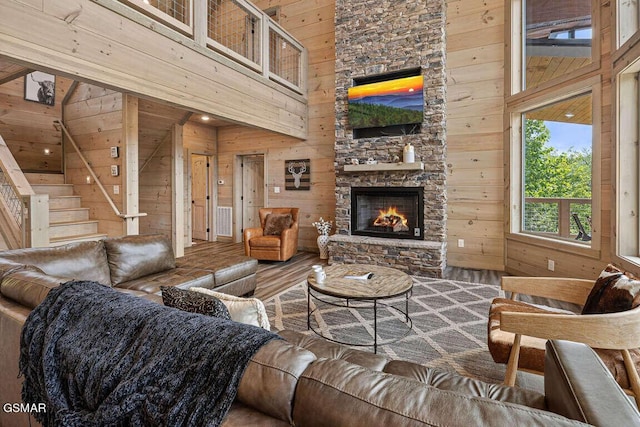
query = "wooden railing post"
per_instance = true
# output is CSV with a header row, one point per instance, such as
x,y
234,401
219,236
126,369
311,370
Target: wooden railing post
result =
x,y
564,217
36,220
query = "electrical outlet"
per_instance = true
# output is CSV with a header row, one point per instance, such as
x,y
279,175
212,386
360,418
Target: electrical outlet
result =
x,y
115,170
551,265
116,189
115,152
461,243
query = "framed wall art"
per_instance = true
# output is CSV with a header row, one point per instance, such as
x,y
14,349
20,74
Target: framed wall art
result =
x,y
297,174
40,87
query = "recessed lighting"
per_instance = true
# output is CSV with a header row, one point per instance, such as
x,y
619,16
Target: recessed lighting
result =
x,y
205,118
569,115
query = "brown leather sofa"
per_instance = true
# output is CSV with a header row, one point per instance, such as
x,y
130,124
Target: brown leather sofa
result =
x,y
307,381
137,264
261,244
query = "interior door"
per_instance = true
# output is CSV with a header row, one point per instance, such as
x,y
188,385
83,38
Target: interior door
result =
x,y
199,197
252,189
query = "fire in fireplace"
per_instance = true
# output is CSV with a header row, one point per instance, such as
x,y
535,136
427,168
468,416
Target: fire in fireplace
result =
x,y
396,212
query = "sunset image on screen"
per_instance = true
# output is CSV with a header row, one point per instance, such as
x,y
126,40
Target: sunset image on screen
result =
x,y
387,103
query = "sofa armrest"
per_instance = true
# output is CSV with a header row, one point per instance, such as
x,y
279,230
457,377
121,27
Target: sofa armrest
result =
x,y
579,386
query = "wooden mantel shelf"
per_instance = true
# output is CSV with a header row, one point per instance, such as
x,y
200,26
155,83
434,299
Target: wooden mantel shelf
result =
x,y
385,167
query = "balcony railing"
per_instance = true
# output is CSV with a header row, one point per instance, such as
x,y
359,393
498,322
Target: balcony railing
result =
x,y
551,216
238,30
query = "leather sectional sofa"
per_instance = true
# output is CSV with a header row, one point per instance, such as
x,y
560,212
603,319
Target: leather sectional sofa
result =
x,y
307,381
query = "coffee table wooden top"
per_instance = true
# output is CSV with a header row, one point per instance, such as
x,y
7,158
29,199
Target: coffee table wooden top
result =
x,y
386,282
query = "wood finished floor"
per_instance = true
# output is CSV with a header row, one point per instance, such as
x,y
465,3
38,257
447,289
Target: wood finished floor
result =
x,y
274,277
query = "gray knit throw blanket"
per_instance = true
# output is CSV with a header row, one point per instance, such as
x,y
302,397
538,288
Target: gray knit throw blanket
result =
x,y
98,357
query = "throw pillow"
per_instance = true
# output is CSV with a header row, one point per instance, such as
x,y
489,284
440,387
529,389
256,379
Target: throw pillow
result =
x,y
275,224
244,310
613,291
194,302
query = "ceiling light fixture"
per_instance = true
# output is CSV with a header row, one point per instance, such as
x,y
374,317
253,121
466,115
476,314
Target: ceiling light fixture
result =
x,y
569,115
205,118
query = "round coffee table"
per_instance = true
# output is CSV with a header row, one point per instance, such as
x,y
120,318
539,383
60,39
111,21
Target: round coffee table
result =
x,y
383,284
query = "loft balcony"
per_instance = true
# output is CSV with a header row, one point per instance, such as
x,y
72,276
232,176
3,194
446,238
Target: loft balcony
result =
x,y
225,58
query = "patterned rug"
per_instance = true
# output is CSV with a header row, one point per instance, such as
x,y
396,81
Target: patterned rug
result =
x,y
449,324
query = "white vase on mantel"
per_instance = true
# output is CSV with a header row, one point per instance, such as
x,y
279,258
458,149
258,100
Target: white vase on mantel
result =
x,y
408,153
323,246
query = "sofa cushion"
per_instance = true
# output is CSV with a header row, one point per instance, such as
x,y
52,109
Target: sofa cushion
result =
x,y
132,257
194,302
613,291
275,224
79,261
29,286
244,310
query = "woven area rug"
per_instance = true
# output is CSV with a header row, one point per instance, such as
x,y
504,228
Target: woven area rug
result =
x,y
449,324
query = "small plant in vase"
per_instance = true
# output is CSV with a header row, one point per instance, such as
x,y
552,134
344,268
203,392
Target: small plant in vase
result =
x,y
323,227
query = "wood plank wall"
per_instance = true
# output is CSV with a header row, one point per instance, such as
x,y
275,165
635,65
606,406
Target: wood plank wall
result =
x,y
156,122
93,116
475,69
28,128
312,23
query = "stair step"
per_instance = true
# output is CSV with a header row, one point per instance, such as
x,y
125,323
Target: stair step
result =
x,y
74,228
44,178
79,238
68,214
53,189
64,202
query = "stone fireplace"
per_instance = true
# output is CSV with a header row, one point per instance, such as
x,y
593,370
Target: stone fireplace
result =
x,y
377,39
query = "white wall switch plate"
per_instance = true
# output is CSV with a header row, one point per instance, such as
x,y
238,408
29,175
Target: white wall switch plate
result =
x,y
115,170
276,189
551,265
115,152
116,189
461,243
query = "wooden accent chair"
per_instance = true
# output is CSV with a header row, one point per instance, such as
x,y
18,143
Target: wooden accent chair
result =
x,y
518,331
277,237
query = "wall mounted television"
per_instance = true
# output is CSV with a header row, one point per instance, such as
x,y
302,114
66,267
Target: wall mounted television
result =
x,y
387,103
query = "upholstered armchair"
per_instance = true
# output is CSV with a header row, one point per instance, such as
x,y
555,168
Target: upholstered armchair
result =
x,y
277,237
518,331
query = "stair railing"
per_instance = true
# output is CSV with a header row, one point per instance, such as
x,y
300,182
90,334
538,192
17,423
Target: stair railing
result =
x,y
24,214
93,174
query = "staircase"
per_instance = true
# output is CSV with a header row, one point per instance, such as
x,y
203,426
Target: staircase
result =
x,y
68,220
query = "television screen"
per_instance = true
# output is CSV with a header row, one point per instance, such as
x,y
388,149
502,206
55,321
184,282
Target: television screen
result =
x,y
391,102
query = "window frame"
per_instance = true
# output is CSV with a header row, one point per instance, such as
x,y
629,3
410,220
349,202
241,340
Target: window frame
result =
x,y
516,159
626,106
517,101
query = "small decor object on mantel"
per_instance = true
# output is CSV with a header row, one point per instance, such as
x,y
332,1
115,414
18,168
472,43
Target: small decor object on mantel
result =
x,y
408,153
323,227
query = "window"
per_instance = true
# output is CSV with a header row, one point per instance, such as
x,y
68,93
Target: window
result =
x,y
557,170
553,93
628,165
557,39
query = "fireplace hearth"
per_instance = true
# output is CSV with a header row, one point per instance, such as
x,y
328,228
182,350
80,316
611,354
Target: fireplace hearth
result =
x,y
388,212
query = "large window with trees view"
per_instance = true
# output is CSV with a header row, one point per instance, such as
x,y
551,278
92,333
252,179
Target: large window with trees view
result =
x,y
557,151
553,95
